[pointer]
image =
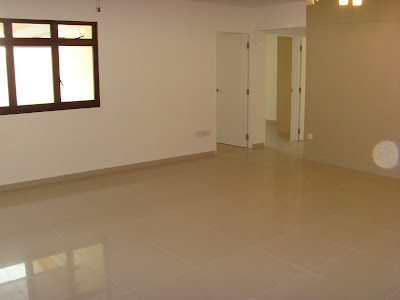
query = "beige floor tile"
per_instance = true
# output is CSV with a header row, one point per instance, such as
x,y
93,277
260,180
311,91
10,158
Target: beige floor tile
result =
x,y
215,228
386,246
165,227
251,272
394,296
395,230
303,249
203,246
311,287
132,265
191,285
375,277
254,228
373,214
343,231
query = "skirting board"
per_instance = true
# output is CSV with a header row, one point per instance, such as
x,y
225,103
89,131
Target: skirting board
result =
x,y
344,166
258,146
56,179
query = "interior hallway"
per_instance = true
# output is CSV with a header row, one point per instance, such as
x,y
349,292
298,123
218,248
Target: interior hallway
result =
x,y
272,140
246,224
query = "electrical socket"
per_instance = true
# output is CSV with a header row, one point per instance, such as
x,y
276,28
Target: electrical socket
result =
x,y
200,134
310,136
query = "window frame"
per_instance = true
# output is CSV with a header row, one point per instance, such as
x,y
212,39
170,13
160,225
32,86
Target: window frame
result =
x,y
9,42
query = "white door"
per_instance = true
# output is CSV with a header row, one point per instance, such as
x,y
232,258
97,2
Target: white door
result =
x,y
232,84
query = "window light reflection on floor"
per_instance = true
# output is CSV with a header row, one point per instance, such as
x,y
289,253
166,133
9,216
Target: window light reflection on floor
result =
x,y
12,273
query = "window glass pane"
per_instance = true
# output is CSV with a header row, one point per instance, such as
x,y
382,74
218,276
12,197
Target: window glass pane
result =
x,y
4,100
75,32
24,30
76,73
34,75
1,30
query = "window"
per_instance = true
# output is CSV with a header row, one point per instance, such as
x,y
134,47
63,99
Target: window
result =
x,y
48,65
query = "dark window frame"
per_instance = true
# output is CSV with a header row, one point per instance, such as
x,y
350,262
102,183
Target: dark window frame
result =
x,y
9,42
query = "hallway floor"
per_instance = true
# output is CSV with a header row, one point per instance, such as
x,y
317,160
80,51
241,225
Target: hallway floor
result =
x,y
272,140
245,224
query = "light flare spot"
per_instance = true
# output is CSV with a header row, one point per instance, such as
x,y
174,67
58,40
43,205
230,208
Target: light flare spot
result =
x,y
386,154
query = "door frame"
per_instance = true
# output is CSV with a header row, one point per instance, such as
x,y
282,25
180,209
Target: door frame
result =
x,y
297,98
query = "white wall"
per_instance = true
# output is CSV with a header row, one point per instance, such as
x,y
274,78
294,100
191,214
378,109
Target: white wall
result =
x,y
272,80
279,16
157,82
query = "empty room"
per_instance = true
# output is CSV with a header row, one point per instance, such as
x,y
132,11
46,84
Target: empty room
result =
x,y
199,149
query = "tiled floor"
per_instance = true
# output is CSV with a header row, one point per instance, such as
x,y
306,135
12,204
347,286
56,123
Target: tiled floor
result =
x,y
246,224
272,140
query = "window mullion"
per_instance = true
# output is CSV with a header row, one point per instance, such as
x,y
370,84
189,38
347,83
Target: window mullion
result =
x,y
56,63
12,89
96,64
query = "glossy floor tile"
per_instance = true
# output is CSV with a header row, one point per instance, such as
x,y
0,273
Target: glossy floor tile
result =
x,y
245,224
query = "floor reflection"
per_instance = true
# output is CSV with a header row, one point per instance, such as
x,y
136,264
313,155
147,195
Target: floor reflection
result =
x,y
242,225
77,273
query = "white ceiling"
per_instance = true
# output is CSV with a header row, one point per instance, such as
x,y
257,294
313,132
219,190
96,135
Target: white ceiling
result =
x,y
248,3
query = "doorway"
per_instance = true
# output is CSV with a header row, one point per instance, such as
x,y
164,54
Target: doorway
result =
x,y
232,88
286,57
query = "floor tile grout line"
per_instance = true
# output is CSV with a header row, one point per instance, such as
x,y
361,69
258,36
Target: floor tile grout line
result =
x,y
177,256
378,257
337,284
365,243
316,266
333,259
394,293
206,227
393,232
339,244
230,254
264,244
287,262
281,284
381,232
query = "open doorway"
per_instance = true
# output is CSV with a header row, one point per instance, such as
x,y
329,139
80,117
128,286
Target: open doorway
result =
x,y
285,109
232,88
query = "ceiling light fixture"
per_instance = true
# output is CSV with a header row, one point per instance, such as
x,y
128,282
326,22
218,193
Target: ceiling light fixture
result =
x,y
341,2
311,2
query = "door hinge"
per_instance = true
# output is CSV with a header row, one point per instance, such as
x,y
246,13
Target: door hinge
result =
x,y
248,92
299,90
298,131
301,48
247,137
248,45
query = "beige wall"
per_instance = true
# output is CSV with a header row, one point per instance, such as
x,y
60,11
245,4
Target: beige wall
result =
x,y
353,88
